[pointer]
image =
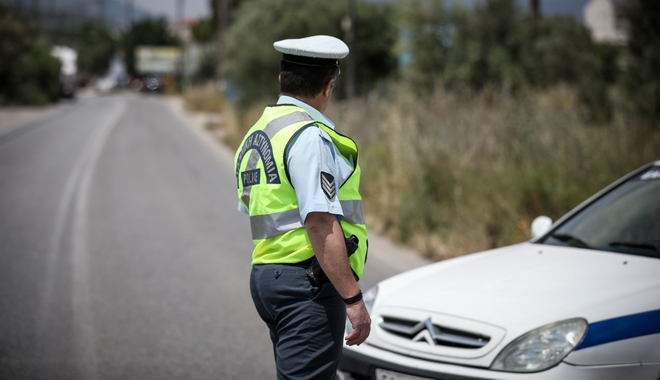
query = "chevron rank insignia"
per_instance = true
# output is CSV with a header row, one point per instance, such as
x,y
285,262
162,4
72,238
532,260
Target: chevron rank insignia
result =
x,y
328,185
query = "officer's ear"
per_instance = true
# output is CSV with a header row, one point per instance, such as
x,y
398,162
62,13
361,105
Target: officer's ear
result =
x,y
327,89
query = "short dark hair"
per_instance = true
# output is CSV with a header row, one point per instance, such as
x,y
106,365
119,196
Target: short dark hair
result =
x,y
305,81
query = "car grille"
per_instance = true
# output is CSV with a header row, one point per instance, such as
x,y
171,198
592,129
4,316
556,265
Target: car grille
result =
x,y
426,331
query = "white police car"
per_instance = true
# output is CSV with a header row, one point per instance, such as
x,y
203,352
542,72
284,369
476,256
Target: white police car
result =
x,y
580,301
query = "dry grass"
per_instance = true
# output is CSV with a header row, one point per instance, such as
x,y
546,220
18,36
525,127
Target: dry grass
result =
x,y
204,99
453,174
240,121
230,123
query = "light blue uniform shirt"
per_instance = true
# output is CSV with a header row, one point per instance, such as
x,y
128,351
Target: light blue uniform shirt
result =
x,y
311,153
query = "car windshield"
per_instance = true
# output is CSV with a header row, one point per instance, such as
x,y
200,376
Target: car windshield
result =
x,y
626,220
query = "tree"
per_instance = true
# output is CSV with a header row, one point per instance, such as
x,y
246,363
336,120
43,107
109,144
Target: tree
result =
x,y
641,79
464,47
96,48
497,44
203,31
375,37
426,37
94,44
556,49
253,64
28,73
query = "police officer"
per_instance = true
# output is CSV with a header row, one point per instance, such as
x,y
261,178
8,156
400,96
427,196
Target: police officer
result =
x,y
298,181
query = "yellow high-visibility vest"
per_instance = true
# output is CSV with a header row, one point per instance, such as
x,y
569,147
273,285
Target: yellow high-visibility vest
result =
x,y
264,188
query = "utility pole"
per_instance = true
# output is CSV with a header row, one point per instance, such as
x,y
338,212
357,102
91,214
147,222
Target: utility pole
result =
x,y
128,14
179,19
35,11
129,56
58,15
81,12
53,16
223,20
179,15
534,5
348,25
102,12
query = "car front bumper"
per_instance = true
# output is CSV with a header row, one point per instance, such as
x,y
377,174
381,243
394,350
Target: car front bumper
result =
x,y
363,361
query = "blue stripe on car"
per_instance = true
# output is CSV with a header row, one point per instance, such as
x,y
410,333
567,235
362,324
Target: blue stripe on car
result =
x,y
629,326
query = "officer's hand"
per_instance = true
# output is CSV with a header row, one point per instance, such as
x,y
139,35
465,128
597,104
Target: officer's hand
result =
x,y
359,317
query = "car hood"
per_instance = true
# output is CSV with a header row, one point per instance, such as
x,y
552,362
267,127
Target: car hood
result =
x,y
524,285
504,293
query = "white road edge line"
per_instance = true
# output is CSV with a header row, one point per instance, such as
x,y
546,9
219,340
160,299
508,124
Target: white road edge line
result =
x,y
77,189
83,318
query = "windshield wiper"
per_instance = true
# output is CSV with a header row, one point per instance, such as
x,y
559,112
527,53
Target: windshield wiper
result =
x,y
636,244
572,240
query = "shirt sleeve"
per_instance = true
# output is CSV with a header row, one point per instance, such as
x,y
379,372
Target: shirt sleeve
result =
x,y
314,173
242,209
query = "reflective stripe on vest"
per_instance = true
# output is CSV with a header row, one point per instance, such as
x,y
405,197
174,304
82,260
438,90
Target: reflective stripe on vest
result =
x,y
271,225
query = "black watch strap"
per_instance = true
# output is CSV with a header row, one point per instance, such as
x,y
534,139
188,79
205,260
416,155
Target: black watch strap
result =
x,y
354,299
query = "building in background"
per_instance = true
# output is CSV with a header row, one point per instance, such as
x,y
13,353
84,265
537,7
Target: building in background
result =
x,y
606,21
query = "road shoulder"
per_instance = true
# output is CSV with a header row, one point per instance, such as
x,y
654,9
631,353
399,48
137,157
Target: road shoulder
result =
x,y
13,118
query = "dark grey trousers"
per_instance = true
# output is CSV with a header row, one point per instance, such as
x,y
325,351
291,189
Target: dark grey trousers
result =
x,y
306,322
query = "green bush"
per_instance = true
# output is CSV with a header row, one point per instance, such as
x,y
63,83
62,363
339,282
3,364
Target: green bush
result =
x,y
29,75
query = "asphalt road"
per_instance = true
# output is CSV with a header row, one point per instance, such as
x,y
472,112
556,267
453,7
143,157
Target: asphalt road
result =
x,y
122,255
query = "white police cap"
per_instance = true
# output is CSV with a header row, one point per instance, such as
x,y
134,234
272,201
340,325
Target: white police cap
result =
x,y
312,51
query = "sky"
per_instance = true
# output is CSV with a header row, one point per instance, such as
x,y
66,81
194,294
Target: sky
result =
x,y
192,8
200,8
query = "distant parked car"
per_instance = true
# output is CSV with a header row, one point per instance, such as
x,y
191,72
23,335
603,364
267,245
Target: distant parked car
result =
x,y
579,301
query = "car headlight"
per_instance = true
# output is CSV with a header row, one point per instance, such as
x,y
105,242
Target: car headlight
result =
x,y
369,297
542,348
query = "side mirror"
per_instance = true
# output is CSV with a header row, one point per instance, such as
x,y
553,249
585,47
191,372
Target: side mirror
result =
x,y
541,225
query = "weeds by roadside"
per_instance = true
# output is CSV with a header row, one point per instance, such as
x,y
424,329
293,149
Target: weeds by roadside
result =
x,y
204,99
451,174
